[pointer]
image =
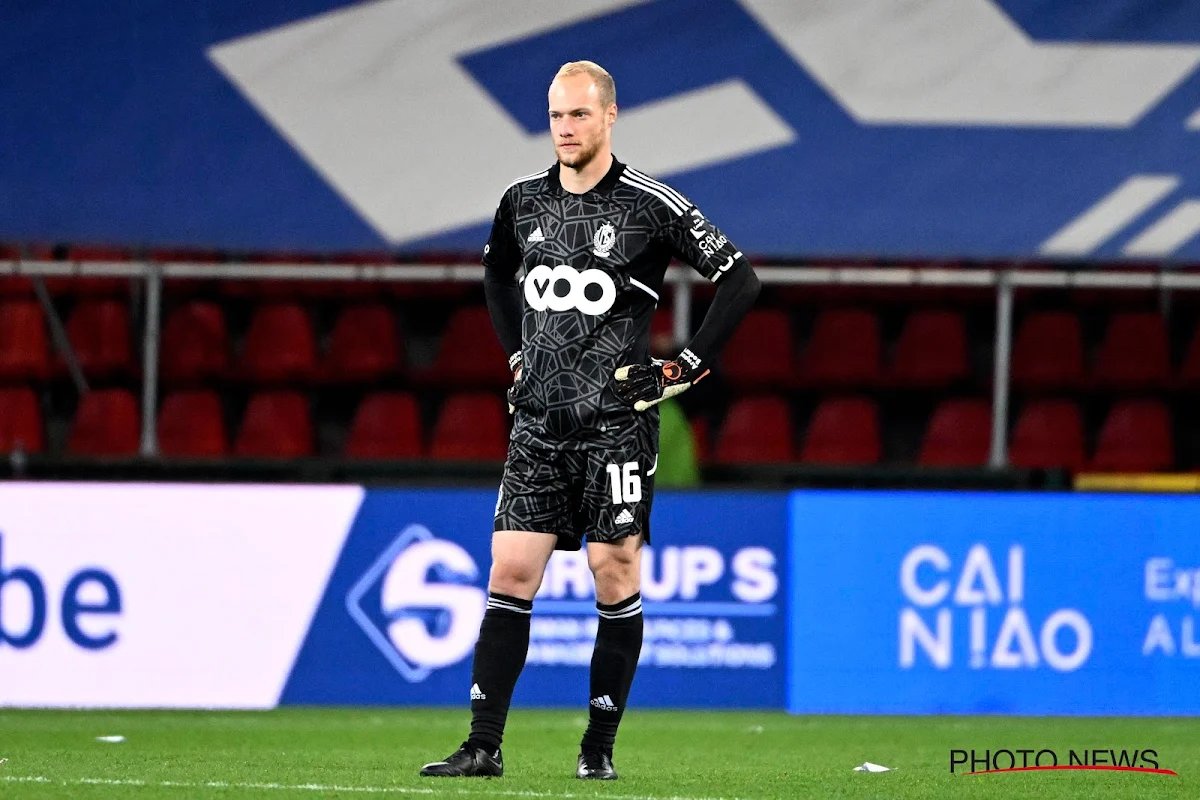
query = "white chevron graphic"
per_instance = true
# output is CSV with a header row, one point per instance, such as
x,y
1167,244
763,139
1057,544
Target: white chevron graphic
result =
x,y
374,98
965,62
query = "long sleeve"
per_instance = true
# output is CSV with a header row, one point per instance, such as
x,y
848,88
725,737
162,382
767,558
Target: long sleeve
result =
x,y
501,260
701,244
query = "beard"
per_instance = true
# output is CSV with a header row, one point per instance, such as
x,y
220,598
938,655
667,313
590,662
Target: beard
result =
x,y
581,157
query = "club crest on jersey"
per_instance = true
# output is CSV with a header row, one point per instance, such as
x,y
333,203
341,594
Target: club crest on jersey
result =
x,y
604,240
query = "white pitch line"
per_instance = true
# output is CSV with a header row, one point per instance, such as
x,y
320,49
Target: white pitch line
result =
x,y
317,787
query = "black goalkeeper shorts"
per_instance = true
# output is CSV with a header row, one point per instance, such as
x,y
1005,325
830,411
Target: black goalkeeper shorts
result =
x,y
604,495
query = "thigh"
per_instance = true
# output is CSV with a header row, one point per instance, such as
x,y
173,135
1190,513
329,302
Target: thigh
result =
x,y
537,494
619,488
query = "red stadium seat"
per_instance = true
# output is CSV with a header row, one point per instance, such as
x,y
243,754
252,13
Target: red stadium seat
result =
x,y
20,421
386,425
107,423
191,425
280,346
843,430
1048,352
959,435
24,353
932,350
1134,353
760,352
1189,371
99,333
843,350
757,430
364,345
1048,433
1136,437
93,285
195,344
471,427
276,425
469,355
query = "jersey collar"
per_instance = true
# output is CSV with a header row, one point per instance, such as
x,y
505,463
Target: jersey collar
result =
x,y
603,187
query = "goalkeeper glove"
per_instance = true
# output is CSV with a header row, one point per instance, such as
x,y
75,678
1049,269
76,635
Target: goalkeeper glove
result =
x,y
646,385
515,363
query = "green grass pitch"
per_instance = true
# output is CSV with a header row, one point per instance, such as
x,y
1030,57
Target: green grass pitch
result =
x,y
681,755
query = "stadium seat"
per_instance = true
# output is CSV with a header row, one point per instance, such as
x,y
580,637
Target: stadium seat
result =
x,y
195,344
1048,433
99,334
191,424
469,355
1136,437
932,350
92,285
759,355
842,351
959,434
471,427
843,430
20,421
386,425
1134,353
107,423
24,353
280,346
364,345
757,430
1048,352
1189,371
276,424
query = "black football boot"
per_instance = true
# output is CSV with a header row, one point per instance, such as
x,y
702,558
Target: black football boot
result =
x,y
595,765
468,761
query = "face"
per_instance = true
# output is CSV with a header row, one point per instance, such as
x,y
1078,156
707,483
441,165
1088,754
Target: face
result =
x,y
578,125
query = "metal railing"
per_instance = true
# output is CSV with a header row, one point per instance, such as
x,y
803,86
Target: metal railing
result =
x,y
1005,281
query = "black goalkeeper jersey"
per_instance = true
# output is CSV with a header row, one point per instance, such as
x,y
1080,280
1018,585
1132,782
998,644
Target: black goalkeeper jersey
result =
x,y
591,270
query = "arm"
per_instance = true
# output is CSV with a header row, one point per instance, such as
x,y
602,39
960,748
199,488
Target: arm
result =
x,y
698,242
501,260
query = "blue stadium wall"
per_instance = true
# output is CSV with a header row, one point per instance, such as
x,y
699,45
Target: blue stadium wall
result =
x,y
963,128
124,595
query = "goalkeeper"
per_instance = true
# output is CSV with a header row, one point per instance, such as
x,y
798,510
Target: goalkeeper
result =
x,y
572,273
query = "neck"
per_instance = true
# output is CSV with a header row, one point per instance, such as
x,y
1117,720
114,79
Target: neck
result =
x,y
578,181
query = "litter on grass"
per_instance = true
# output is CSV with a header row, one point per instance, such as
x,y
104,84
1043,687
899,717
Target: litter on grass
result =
x,y
112,739
867,766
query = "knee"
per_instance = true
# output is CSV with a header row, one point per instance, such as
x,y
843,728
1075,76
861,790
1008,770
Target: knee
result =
x,y
514,578
616,579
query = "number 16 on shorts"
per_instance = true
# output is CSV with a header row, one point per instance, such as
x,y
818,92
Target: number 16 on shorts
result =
x,y
625,483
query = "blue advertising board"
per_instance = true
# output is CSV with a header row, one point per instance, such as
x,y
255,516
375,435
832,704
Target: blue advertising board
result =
x,y
400,612
936,603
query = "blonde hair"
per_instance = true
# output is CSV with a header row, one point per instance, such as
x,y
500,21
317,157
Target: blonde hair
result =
x,y
605,87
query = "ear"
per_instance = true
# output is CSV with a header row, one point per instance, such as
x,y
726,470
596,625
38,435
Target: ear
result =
x,y
611,114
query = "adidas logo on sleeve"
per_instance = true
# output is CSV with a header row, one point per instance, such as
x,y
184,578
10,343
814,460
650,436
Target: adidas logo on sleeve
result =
x,y
604,703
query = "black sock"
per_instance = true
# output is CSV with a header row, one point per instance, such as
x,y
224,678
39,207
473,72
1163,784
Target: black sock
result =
x,y
618,646
499,656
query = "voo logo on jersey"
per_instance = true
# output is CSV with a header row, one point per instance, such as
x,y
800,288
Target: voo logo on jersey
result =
x,y
418,603
563,288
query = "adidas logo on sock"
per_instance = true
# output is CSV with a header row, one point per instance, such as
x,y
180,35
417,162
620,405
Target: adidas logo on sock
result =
x,y
477,693
604,703
624,518
536,236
